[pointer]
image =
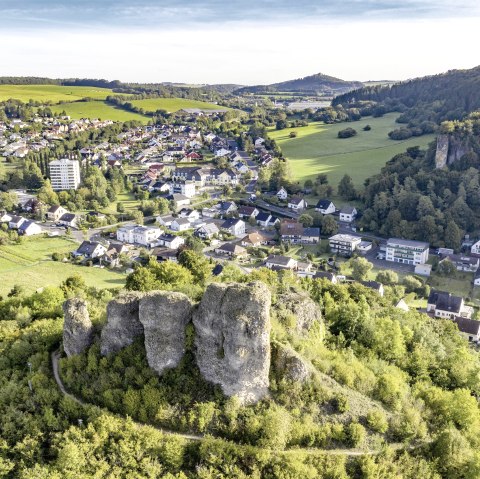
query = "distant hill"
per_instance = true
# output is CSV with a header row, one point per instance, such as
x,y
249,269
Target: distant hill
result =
x,y
319,84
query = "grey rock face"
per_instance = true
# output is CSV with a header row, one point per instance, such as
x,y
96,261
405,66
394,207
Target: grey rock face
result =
x,y
289,365
77,328
164,316
300,306
232,340
123,324
441,154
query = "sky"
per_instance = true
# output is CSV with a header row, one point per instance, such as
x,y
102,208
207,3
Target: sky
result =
x,y
237,41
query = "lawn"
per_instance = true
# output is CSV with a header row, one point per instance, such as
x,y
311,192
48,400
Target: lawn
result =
x,y
317,149
29,264
52,93
174,104
98,109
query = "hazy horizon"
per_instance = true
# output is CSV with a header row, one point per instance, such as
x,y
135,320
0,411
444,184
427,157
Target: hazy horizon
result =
x,y
261,42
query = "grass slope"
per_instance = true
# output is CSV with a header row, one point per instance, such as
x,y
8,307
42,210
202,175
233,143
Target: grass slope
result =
x,y
29,264
98,109
52,93
317,149
174,104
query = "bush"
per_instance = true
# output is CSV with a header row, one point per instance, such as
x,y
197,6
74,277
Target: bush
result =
x,y
341,404
400,134
377,421
355,434
347,133
367,128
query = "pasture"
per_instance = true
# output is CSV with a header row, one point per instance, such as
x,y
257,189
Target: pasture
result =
x,y
97,109
52,93
172,105
317,149
29,264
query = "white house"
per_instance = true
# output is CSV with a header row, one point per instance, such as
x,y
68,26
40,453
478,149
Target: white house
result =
x,y
180,224
69,219
282,194
15,222
423,269
171,241
207,231
234,226
326,207
144,235
280,262
90,249
30,228
348,214
446,305
344,244
406,251
296,203
55,212
475,248
165,220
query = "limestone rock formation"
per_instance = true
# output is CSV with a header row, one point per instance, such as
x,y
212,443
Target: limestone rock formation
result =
x,y
289,365
232,325
299,307
441,154
77,327
450,148
123,324
164,316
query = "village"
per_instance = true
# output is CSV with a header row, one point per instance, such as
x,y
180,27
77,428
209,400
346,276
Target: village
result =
x,y
213,202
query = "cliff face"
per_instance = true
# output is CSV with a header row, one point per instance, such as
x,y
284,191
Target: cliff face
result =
x,y
232,338
164,316
77,327
450,149
123,324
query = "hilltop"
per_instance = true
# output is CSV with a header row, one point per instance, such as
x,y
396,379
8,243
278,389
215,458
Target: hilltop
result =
x,y
318,84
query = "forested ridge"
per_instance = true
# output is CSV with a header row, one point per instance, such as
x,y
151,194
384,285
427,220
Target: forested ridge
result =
x,y
382,376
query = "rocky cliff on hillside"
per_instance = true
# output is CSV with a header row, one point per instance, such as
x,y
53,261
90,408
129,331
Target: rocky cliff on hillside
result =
x,y
164,316
289,365
297,311
450,149
123,324
232,338
77,327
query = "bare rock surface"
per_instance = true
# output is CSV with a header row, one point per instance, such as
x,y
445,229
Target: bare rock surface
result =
x,y
123,324
232,340
288,364
164,316
301,307
77,327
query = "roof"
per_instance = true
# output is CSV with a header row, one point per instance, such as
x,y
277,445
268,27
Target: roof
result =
x,y
69,217
291,227
411,243
232,248
468,326
181,221
54,208
88,247
279,259
226,205
373,285
246,210
210,228
231,222
324,275
262,216
324,204
348,210
254,238
295,200
344,237
312,232
445,301
25,225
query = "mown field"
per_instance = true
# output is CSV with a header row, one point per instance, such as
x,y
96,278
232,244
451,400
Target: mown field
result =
x,y
174,104
97,109
52,93
317,149
30,265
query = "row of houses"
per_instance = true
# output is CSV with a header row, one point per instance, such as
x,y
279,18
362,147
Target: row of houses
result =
x,y
23,226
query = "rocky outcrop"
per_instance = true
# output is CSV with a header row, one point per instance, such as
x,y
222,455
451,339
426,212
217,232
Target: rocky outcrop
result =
x,y
450,148
441,155
164,316
77,327
123,324
297,311
232,327
289,365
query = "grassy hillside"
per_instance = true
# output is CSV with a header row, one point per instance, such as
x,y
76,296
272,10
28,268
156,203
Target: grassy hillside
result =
x,y
317,149
29,265
173,104
98,109
52,93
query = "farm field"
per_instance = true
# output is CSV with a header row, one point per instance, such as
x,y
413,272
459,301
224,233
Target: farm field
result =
x,y
174,104
29,264
52,93
317,149
97,109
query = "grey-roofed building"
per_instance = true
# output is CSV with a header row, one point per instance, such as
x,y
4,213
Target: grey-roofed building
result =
x,y
407,251
90,250
445,305
469,328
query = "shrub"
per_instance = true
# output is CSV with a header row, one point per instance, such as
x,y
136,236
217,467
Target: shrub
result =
x,y
347,133
355,434
377,421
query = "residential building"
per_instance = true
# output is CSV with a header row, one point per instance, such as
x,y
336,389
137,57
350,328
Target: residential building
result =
x,y
227,207
165,254
135,234
165,220
445,305
364,246
15,222
234,226
278,262
475,248
64,174
90,250
190,214
468,264
207,231
344,244
29,228
468,328
69,219
254,239
171,241
183,187
326,207
310,236
423,269
180,224
247,212
266,219
232,250
282,194
348,214
291,230
297,204
375,285
406,251
326,275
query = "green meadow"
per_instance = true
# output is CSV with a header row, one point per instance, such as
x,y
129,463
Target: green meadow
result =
x,y
52,93
317,148
172,105
97,109
29,264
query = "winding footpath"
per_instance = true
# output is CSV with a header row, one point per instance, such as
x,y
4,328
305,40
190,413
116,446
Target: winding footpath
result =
x,y
55,356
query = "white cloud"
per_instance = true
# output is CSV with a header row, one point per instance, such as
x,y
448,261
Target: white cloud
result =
x,y
245,53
